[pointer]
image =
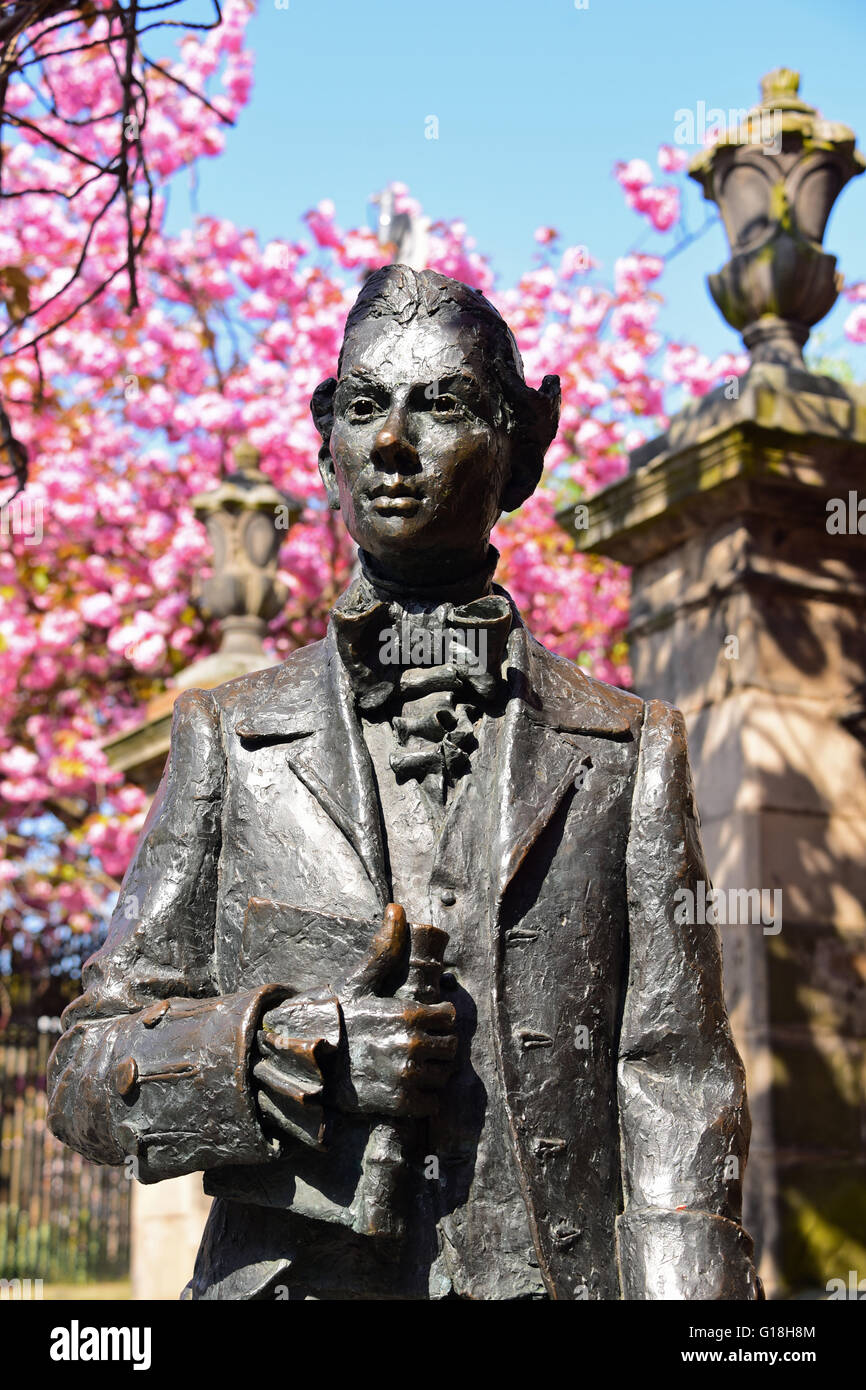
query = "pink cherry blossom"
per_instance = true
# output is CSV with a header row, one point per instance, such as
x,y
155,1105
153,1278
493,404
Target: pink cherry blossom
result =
x,y
633,175
127,417
672,159
855,324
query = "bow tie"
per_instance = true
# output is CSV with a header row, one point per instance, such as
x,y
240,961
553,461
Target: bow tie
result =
x,y
386,648
434,665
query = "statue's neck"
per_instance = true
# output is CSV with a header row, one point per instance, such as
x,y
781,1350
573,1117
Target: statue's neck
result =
x,y
457,582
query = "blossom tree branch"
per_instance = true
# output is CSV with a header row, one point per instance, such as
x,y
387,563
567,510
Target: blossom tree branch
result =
x,y
36,39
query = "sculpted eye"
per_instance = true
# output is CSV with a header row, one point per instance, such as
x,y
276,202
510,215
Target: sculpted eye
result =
x,y
361,408
446,405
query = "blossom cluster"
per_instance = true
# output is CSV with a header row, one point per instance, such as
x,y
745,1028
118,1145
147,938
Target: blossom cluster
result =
x,y
127,416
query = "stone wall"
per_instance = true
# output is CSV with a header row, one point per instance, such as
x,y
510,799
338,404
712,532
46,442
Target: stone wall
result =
x,y
748,614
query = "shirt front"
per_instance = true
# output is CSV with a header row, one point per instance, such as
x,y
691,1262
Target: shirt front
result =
x,y
437,859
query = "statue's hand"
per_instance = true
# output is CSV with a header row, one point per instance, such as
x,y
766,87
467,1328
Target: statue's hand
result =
x,y
295,1047
391,1054
400,1054
397,1049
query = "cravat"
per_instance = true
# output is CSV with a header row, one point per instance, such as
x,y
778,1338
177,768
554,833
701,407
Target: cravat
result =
x,y
393,653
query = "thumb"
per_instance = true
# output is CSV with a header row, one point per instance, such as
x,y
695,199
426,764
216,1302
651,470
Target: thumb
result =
x,y
390,945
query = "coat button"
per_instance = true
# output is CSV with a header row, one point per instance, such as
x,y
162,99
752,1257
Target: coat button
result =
x,y
447,897
564,1235
126,1076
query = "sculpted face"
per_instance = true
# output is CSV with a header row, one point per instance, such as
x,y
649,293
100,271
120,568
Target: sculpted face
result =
x,y
419,453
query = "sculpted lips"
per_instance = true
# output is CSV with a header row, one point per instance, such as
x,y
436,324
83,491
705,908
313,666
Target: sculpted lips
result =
x,y
395,499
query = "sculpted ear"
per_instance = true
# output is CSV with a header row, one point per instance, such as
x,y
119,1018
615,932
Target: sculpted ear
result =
x,y
536,427
322,409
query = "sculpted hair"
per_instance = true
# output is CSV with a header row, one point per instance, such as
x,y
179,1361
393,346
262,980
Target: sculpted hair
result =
x,y
400,293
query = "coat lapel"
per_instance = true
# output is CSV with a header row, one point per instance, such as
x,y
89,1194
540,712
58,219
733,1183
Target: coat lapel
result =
x,y
310,709
553,707
552,704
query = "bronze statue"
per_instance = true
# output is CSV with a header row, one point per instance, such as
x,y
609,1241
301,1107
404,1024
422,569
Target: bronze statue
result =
x,y
397,962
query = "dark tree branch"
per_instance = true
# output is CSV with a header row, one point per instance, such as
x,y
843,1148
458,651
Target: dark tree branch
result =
x,y
25,25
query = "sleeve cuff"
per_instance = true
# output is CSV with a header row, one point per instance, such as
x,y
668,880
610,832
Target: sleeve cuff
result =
x,y
179,1084
684,1255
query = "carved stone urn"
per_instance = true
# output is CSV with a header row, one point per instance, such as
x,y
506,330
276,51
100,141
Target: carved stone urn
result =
x,y
775,178
247,520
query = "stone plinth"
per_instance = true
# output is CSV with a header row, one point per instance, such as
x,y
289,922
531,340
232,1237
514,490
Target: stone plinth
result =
x,y
750,615
167,1223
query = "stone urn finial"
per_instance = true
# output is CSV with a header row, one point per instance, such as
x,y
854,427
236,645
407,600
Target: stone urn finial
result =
x,y
247,520
781,85
775,177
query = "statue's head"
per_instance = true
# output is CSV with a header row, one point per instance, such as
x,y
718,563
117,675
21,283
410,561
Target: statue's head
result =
x,y
429,431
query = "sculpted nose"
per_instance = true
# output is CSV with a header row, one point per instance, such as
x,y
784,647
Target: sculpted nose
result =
x,y
393,451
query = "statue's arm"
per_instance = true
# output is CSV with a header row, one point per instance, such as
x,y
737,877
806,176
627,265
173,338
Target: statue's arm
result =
x,y
153,1064
684,1121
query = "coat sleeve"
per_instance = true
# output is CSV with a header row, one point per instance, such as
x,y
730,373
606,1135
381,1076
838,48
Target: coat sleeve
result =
x,y
153,1065
684,1121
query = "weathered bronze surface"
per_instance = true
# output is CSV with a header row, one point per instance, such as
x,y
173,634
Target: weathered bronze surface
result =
x,y
397,962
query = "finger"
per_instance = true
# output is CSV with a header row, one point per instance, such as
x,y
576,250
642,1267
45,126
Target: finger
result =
x,y
420,1104
272,1112
277,1045
309,1122
428,1075
268,1074
433,1049
390,945
426,953
431,1018
269,1110
265,1043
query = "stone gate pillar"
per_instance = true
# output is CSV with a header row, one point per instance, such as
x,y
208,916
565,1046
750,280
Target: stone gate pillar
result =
x,y
745,525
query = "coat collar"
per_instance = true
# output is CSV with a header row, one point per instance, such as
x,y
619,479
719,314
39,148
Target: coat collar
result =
x,y
308,705
554,691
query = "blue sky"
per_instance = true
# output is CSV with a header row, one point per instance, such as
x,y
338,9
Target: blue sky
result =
x,y
535,101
